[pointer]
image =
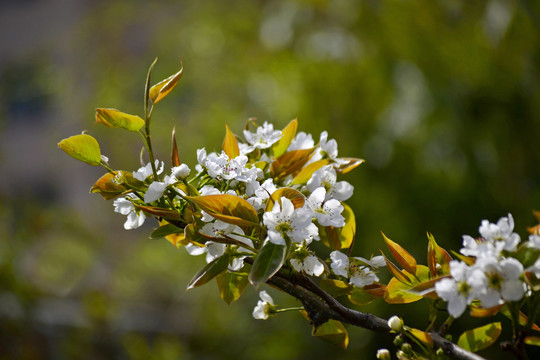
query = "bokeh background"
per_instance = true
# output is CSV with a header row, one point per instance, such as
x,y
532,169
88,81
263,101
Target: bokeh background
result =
x,y
442,99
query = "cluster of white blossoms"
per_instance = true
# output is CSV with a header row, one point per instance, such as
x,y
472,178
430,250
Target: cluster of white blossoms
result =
x,y
496,276
249,176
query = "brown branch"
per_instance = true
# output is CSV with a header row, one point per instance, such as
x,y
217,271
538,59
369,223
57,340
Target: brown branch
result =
x,y
321,307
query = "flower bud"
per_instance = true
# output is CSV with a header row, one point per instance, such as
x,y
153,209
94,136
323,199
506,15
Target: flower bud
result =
x,y
383,354
407,348
181,172
398,340
395,323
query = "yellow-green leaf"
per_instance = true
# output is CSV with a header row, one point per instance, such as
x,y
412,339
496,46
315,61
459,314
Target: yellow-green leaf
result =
x,y
117,119
437,256
334,332
403,258
290,162
230,145
350,164
335,287
305,174
228,208
82,147
175,160
403,276
231,285
398,292
296,197
107,187
480,338
422,336
532,340
163,213
166,230
340,238
164,87
267,262
210,271
287,135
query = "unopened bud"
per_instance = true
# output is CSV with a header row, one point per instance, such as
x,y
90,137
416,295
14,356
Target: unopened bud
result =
x,y
395,323
383,354
181,172
398,340
407,348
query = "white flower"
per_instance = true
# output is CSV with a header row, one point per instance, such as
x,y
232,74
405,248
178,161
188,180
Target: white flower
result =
x,y
395,323
328,213
285,220
495,238
534,241
326,177
264,136
494,281
309,264
383,354
264,307
156,189
146,170
181,172
301,141
351,268
135,218
456,290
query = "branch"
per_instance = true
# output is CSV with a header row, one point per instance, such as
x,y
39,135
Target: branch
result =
x,y
321,307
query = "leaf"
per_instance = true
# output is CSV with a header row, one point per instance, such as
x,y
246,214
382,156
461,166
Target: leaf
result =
x,y
437,255
210,271
267,262
403,258
422,336
290,162
349,165
164,87
361,297
160,212
231,285
117,119
175,160
307,172
192,235
532,340
165,230
527,255
403,277
333,332
230,145
287,135
228,208
480,312
296,197
523,319
469,260
335,287
343,237
82,147
398,292
108,188
480,338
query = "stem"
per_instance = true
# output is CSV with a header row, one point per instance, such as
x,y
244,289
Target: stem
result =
x,y
299,308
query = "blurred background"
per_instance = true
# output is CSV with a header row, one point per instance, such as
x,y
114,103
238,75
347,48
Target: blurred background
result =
x,y
442,99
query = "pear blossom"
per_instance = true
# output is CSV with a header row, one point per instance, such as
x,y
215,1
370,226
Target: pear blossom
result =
x,y
328,213
181,171
395,323
326,177
327,149
156,189
351,268
534,241
495,239
145,171
494,281
456,290
303,260
135,218
286,221
301,141
264,136
265,307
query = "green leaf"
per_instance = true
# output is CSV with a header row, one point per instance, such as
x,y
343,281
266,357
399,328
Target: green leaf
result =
x,y
335,287
117,119
231,285
340,238
403,258
268,262
287,135
307,172
527,255
210,271
164,87
480,338
230,145
333,332
361,297
108,188
422,336
165,230
228,208
437,256
82,147
532,340
296,197
403,292
163,213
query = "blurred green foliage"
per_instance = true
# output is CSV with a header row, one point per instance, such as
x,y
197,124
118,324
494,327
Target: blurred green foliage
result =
x,y
442,98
